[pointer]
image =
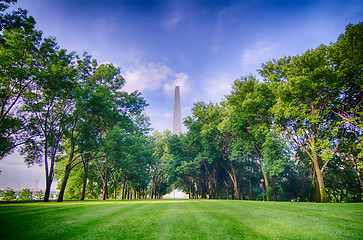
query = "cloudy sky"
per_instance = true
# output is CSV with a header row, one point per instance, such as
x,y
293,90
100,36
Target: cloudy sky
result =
x,y
200,45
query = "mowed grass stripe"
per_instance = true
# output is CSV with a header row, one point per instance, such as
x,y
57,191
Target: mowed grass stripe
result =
x,y
61,221
181,219
283,220
230,222
114,223
221,225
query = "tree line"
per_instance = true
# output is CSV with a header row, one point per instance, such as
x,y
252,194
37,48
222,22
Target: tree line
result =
x,y
58,107
293,133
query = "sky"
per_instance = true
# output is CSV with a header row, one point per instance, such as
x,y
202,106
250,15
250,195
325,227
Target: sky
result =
x,y
200,45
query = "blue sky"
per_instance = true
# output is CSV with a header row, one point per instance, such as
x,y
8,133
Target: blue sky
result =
x,y
200,45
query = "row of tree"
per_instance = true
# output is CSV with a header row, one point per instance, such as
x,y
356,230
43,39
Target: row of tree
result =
x,y
297,130
293,134
60,107
25,195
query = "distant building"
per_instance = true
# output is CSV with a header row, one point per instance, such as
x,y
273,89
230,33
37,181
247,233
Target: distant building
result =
x,y
177,112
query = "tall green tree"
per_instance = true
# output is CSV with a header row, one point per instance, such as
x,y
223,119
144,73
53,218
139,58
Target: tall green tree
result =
x,y
251,122
347,102
184,165
19,63
214,147
49,109
159,169
301,110
100,105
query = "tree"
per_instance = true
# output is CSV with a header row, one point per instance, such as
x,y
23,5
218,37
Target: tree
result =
x,y
276,154
159,167
251,122
35,76
39,195
100,106
214,146
49,110
184,166
8,195
301,108
18,59
25,194
18,19
346,57
347,102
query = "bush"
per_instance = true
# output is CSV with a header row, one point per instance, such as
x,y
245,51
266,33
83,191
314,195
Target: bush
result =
x,y
8,195
25,194
39,195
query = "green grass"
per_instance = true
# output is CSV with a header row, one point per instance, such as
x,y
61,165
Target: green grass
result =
x,y
181,219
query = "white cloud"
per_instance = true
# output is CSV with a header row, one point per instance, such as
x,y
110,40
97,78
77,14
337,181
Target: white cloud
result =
x,y
155,77
217,87
252,58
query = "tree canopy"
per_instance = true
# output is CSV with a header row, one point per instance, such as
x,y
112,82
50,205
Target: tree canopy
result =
x,y
293,133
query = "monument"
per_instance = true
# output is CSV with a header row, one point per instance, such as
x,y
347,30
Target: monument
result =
x,y
176,113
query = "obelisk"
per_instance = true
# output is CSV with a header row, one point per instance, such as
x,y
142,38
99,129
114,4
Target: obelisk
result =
x,y
176,113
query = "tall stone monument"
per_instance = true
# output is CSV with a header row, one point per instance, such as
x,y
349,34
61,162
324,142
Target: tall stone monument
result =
x,y
176,113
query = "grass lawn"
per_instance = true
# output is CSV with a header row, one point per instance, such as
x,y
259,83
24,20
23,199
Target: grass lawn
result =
x,y
181,219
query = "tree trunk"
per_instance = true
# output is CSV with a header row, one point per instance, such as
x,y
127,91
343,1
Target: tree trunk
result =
x,y
66,173
105,191
115,187
250,183
273,187
159,188
48,180
114,192
359,197
267,186
234,180
214,182
236,190
64,183
320,180
105,187
124,188
227,191
153,187
315,187
84,184
47,188
203,183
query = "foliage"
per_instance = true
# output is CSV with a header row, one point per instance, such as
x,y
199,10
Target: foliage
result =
x,y
25,194
294,134
19,58
39,195
8,195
